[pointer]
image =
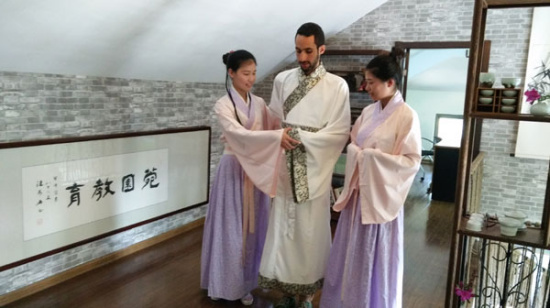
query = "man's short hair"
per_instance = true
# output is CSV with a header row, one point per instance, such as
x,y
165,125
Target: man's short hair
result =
x,y
309,29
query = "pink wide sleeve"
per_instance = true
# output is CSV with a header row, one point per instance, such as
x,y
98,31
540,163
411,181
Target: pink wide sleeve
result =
x,y
386,178
258,151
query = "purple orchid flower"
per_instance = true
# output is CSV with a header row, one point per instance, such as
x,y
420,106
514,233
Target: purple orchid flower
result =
x,y
532,95
465,294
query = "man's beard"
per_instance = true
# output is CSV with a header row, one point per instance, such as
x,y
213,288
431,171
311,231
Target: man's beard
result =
x,y
312,66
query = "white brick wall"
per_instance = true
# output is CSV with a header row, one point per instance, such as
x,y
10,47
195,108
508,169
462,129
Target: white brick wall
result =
x,y
46,106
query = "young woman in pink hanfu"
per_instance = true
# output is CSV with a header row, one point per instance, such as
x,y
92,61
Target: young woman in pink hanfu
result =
x,y
237,217
365,268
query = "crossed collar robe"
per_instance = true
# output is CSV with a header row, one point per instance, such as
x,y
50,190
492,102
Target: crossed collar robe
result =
x,y
382,164
255,141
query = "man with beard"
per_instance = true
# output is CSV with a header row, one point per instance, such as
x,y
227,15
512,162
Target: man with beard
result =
x,y
313,106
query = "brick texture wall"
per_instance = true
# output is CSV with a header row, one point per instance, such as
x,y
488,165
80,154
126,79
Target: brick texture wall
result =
x,y
49,106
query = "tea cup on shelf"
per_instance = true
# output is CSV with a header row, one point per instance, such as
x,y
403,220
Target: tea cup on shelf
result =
x,y
478,216
486,92
508,109
509,93
509,226
485,100
486,80
510,82
474,224
508,101
517,215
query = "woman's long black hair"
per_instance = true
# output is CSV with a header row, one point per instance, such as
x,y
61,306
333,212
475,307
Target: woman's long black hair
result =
x,y
233,61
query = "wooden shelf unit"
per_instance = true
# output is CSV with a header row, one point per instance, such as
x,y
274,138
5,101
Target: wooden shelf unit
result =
x,y
497,100
532,237
474,113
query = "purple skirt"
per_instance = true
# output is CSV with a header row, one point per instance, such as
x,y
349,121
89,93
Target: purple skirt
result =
x,y
224,273
373,275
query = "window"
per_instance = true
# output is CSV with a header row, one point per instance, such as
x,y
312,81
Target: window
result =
x,y
448,127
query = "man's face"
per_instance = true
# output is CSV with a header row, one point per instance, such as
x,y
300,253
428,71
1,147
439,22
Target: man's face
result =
x,y
307,53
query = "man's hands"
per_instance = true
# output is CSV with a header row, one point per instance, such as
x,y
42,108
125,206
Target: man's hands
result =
x,y
287,142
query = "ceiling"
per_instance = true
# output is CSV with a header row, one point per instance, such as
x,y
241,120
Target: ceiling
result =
x,y
177,40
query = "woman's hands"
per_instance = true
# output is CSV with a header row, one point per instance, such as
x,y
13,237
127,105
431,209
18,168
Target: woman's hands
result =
x,y
287,142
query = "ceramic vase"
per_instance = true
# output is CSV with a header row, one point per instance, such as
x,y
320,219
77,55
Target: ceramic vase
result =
x,y
540,108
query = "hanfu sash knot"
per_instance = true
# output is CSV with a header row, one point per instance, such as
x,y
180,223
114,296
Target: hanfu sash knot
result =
x,y
248,212
248,186
296,159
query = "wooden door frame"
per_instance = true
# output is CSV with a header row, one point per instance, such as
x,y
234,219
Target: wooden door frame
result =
x,y
454,258
407,46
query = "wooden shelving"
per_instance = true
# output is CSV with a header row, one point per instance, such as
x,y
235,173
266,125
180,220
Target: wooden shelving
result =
x,y
507,116
532,237
497,100
475,112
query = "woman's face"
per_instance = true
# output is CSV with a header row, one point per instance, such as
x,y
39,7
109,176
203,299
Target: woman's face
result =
x,y
244,77
379,90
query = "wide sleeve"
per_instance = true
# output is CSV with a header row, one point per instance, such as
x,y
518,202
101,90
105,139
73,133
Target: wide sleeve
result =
x,y
324,146
352,152
258,151
386,178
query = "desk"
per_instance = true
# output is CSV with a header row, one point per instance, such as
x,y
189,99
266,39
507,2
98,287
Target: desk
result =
x,y
445,171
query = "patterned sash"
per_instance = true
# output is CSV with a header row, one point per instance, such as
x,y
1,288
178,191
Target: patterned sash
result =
x,y
296,162
296,159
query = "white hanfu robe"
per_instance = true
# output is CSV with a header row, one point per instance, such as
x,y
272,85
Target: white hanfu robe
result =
x,y
366,261
299,236
236,222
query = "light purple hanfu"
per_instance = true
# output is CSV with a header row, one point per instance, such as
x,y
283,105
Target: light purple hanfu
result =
x,y
234,230
365,268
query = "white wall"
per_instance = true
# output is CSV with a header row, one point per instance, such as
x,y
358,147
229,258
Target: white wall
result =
x,y
429,103
532,140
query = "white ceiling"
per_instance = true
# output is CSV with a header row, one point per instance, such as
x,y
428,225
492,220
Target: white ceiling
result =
x,y
178,40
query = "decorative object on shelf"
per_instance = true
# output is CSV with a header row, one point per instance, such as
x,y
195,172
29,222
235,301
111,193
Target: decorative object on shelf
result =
x,y
509,93
508,109
509,226
474,224
486,80
510,82
518,215
508,101
485,100
540,109
464,291
538,94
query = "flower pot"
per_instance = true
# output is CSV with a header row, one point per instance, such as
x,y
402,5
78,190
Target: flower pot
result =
x,y
540,109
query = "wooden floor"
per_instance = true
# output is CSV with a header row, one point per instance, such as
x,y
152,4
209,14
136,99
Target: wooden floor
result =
x,y
168,274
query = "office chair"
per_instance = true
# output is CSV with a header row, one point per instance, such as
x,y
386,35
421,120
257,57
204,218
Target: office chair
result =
x,y
428,154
